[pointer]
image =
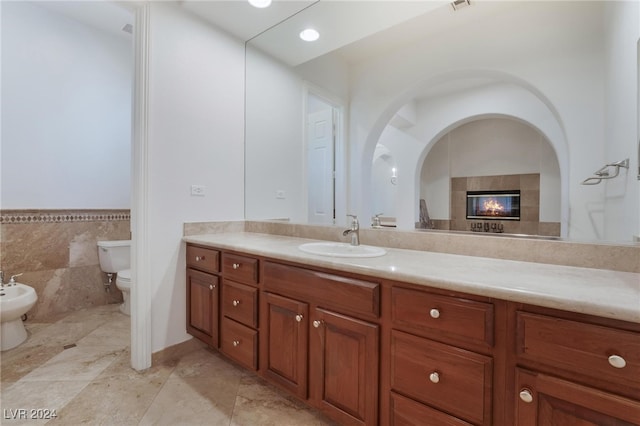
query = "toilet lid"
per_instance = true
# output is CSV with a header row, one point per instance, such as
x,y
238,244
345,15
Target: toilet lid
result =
x,y
124,277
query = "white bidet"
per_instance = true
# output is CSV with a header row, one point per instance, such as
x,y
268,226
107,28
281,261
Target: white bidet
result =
x,y
15,301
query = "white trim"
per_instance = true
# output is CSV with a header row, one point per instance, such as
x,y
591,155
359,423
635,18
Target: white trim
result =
x,y
340,192
140,261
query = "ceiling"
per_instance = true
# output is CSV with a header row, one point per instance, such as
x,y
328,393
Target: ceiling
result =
x,y
340,22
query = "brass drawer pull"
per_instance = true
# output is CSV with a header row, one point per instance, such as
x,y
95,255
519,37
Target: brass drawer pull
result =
x,y
526,395
617,361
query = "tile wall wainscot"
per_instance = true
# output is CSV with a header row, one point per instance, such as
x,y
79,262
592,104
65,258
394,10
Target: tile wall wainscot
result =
x,y
624,258
57,253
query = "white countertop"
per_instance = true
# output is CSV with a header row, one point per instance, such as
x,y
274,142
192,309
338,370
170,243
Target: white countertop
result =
x,y
605,293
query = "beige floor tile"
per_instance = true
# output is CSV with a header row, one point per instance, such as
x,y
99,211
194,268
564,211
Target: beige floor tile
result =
x,y
259,403
61,334
43,395
207,363
77,363
18,362
191,401
106,401
115,333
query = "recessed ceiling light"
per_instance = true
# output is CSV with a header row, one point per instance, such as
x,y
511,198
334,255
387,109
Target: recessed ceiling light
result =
x,y
309,35
261,4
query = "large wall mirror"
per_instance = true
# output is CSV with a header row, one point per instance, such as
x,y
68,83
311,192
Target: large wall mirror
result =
x,y
494,116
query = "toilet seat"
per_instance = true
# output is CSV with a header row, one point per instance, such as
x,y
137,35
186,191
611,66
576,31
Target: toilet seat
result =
x,y
123,279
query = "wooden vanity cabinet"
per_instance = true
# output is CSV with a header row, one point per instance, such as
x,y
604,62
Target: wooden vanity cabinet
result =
x,y
320,340
344,362
203,294
239,336
285,343
376,352
441,353
574,369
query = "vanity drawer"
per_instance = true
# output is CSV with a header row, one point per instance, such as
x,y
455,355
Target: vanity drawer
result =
x,y
342,294
407,412
240,302
202,258
600,352
445,377
425,313
239,343
240,268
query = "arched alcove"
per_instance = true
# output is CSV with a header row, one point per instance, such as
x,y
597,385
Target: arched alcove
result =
x,y
447,101
492,154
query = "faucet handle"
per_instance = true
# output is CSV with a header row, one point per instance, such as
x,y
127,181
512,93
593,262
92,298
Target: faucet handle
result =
x,y
12,280
376,219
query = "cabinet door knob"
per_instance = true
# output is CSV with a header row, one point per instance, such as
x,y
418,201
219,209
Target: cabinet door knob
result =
x,y
317,323
235,266
236,342
526,395
211,286
617,361
199,258
434,313
299,317
434,377
236,302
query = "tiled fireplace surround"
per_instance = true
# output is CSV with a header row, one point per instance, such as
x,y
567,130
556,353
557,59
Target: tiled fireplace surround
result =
x,y
529,187
57,250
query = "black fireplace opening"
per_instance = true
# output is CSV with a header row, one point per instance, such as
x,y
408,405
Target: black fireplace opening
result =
x,y
498,205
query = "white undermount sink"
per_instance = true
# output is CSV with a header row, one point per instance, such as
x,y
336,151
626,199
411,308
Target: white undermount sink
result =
x,y
333,249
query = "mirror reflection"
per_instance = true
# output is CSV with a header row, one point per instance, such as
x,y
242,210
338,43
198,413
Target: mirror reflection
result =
x,y
424,104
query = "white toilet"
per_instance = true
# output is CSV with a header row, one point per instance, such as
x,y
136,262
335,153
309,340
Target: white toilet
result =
x,y
115,258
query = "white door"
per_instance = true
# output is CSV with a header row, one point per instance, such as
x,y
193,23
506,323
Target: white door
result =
x,y
320,166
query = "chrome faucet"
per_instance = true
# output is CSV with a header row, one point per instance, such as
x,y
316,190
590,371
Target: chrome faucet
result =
x,y
354,230
12,280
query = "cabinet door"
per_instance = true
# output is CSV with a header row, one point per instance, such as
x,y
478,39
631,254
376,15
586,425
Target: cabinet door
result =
x,y
202,306
549,401
284,347
343,356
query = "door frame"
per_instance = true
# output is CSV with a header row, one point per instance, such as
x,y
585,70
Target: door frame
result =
x,y
340,149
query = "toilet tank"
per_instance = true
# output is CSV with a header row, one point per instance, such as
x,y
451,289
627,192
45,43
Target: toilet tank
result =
x,y
114,256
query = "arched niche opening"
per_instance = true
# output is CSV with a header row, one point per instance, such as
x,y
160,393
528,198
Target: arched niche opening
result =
x,y
438,105
492,155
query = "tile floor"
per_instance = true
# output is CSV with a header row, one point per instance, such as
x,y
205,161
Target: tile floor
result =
x,y
79,366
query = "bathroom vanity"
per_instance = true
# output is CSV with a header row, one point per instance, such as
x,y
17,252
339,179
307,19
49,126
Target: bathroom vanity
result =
x,y
421,338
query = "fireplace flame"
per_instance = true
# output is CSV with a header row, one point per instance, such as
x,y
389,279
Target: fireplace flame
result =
x,y
493,207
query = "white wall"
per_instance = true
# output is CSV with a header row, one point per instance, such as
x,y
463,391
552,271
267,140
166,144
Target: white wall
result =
x,y
561,66
405,150
196,122
275,134
274,108
66,112
622,195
